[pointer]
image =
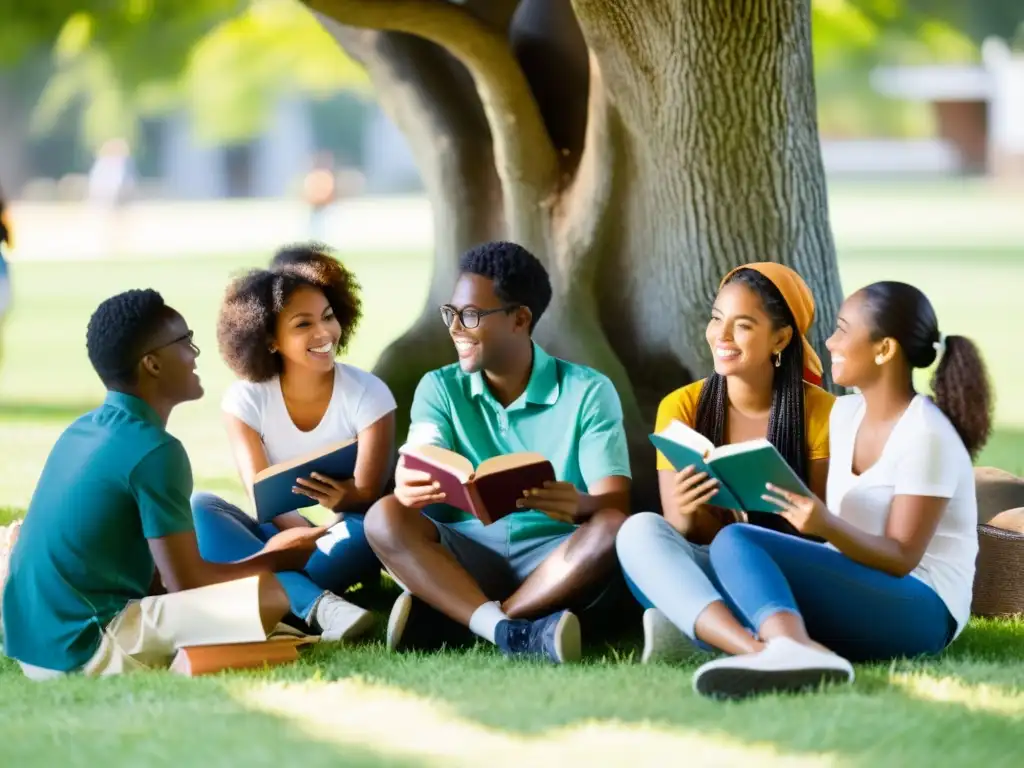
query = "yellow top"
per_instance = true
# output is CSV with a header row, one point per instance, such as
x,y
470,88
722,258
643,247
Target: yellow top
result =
x,y
682,406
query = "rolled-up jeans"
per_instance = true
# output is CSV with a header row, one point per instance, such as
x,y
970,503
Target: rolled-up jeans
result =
x,y
343,556
859,612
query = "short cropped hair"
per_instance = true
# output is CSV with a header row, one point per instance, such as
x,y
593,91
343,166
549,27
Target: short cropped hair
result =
x,y
252,303
519,278
119,333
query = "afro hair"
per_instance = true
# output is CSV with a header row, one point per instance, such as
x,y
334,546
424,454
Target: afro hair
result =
x,y
120,330
519,278
252,303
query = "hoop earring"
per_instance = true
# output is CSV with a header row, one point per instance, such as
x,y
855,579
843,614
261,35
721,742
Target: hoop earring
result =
x,y
778,359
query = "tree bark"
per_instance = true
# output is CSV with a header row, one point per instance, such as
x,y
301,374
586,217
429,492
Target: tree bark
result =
x,y
699,152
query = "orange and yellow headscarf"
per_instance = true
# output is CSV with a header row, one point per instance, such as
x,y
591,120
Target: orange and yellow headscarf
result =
x,y
800,300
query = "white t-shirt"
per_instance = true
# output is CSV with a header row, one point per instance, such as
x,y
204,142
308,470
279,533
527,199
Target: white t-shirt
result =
x,y
923,456
359,399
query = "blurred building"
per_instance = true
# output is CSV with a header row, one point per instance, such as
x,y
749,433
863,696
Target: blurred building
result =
x,y
979,109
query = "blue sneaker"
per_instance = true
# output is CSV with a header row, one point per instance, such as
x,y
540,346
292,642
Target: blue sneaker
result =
x,y
555,637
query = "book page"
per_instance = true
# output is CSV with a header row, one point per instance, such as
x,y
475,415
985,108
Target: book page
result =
x,y
735,448
679,433
508,461
442,458
298,461
747,472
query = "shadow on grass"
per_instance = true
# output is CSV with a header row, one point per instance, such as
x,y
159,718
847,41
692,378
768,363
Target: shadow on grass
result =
x,y
156,720
966,706
47,412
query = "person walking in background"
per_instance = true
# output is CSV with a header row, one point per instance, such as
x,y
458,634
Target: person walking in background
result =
x,y
319,190
111,182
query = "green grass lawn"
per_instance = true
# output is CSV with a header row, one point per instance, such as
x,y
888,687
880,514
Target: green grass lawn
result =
x,y
362,706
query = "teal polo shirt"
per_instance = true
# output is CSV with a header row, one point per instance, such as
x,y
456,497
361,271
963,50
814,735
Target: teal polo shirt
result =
x,y
114,479
569,413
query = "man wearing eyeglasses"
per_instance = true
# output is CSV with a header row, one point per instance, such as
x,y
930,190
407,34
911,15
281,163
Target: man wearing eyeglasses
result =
x,y
109,527
513,581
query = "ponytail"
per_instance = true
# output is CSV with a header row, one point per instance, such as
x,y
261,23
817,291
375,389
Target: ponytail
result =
x,y
960,384
961,390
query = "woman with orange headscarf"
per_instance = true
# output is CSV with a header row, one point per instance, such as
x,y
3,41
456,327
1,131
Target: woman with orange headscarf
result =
x,y
765,385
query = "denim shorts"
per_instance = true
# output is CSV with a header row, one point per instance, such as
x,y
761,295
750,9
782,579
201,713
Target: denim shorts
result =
x,y
498,564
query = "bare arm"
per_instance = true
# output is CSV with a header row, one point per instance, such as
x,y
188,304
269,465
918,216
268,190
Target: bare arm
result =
x,y
373,464
607,493
180,566
911,525
251,459
683,503
908,529
817,477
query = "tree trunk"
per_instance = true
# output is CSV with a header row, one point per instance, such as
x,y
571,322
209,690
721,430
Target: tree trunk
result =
x,y
698,152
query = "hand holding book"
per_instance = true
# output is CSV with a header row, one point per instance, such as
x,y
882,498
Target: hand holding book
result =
x,y
488,491
808,514
558,500
416,488
325,491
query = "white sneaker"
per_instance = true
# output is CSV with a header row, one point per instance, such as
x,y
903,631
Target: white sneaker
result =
x,y
398,619
663,640
338,619
783,666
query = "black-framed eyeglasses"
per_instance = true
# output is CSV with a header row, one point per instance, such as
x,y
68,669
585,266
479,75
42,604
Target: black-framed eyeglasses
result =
x,y
187,337
470,316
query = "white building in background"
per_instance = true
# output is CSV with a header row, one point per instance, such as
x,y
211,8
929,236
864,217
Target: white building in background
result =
x,y
273,164
980,109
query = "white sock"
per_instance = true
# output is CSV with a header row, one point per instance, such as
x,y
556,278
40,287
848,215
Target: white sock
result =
x,y
484,620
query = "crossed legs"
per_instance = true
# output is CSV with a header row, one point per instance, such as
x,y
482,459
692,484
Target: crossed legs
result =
x,y
409,544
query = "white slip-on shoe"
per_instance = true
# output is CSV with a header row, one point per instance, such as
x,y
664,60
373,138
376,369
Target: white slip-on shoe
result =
x,y
783,666
338,620
398,619
664,641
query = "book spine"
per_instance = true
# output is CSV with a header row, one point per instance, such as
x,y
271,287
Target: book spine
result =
x,y
479,511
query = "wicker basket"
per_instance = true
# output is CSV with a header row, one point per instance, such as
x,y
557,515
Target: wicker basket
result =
x,y
999,576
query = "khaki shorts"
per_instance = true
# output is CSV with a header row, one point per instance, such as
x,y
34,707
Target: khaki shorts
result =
x,y
148,632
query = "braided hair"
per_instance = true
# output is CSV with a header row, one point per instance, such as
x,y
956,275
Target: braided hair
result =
x,y
786,419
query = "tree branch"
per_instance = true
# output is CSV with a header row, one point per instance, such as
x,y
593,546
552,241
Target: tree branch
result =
x,y
525,156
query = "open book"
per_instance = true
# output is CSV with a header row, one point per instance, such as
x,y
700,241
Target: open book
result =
x,y
491,490
272,488
742,469
207,659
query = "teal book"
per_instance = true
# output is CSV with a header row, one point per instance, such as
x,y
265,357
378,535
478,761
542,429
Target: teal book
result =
x,y
742,469
272,488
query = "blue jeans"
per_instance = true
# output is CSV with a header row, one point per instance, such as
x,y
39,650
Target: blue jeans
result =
x,y
343,556
859,612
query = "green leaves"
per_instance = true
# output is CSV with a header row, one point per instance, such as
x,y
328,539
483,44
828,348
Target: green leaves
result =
x,y
223,60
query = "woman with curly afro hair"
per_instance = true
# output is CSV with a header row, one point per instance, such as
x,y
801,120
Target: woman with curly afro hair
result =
x,y
894,577
280,330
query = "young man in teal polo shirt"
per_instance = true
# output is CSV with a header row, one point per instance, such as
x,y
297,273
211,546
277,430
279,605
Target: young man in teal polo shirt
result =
x,y
109,527
510,582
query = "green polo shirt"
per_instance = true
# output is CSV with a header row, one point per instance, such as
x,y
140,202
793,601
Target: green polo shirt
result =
x,y
114,479
569,413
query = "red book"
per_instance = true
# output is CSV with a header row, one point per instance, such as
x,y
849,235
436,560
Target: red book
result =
x,y
488,492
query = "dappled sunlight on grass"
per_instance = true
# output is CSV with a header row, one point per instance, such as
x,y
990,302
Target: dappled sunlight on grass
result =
x,y
949,690
392,721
